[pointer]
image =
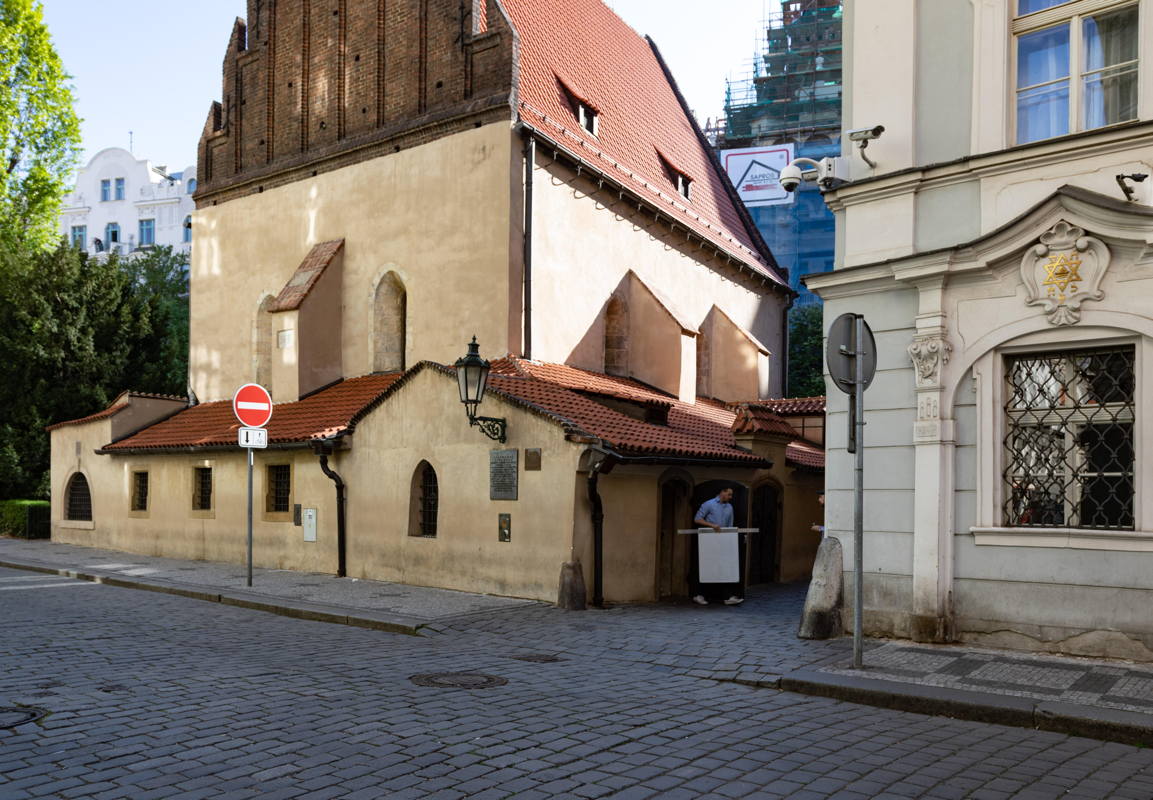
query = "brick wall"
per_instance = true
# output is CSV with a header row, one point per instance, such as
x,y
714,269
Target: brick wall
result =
x,y
313,85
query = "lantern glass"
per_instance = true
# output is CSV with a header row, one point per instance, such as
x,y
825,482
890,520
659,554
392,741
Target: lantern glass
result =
x,y
472,377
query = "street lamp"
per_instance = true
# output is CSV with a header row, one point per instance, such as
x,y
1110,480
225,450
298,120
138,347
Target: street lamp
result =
x,y
472,380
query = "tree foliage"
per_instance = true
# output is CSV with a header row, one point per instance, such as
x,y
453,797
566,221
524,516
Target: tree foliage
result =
x,y
39,129
74,332
806,362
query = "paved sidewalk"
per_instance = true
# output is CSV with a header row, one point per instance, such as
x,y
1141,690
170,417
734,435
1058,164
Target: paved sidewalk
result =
x,y
321,597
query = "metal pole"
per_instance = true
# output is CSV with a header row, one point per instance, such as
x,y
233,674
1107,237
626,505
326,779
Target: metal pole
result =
x,y
250,516
859,488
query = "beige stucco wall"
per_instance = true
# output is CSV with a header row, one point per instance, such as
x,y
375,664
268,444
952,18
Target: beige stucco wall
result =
x,y
170,527
585,241
424,421
436,214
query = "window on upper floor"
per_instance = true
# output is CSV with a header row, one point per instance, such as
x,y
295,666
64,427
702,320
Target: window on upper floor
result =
x,y
79,237
1076,66
187,228
147,232
587,117
119,189
1069,447
191,185
105,190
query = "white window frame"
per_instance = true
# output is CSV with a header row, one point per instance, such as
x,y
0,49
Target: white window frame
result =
x,y
105,190
588,118
119,189
151,231
1071,13
992,426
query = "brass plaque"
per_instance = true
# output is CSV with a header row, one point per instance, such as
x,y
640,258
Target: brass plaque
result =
x,y
532,459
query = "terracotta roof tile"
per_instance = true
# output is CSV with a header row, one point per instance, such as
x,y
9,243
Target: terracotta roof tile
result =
x,y
791,406
805,454
757,419
583,48
306,275
322,414
111,411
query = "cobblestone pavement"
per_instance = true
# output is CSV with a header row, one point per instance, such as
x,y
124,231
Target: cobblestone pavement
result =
x,y
1117,684
155,696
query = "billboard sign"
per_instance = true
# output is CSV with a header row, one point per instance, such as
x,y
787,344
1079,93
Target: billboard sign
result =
x,y
755,172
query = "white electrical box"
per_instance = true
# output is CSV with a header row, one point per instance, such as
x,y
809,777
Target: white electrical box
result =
x,y
308,522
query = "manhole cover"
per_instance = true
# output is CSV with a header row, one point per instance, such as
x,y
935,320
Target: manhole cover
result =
x,y
11,716
538,658
457,680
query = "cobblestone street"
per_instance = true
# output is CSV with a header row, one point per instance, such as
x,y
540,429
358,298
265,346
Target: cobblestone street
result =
x,y
155,696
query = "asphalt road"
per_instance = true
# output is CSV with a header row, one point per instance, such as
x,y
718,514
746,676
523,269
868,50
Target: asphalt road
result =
x,y
153,696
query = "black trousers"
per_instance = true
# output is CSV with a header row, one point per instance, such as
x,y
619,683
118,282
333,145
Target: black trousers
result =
x,y
717,591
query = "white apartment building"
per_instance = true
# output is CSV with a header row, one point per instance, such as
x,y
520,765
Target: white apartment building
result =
x,y
1002,251
121,203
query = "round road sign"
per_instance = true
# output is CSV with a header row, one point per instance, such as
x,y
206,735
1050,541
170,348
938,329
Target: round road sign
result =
x,y
252,405
839,352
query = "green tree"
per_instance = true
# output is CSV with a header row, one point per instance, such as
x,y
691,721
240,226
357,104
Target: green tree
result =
x,y
158,291
806,362
39,129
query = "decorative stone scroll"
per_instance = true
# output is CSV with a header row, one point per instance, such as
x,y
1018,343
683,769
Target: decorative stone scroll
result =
x,y
1063,271
929,353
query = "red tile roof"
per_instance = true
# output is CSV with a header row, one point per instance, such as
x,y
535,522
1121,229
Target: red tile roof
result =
x,y
805,454
306,275
322,414
757,419
111,411
792,406
581,47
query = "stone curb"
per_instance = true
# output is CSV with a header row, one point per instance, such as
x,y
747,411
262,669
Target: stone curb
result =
x,y
317,612
1106,724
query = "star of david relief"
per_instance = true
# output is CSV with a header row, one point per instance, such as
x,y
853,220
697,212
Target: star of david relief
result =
x,y
1063,271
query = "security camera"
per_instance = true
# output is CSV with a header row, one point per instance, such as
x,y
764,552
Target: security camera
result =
x,y
865,134
791,177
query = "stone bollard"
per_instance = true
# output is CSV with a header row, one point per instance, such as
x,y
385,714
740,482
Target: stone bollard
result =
x,y
571,595
821,618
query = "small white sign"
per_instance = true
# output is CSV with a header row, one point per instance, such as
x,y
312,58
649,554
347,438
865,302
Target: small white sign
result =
x,y
308,521
253,437
756,172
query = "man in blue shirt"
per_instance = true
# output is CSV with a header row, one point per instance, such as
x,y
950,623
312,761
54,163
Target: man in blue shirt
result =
x,y
716,513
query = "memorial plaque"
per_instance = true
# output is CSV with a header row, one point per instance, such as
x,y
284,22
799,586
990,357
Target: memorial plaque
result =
x,y
502,475
531,459
504,527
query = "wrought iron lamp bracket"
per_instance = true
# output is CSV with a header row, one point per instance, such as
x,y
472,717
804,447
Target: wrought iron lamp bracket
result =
x,y
492,427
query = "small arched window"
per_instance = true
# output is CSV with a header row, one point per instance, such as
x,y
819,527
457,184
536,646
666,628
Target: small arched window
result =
x,y
78,499
425,502
191,185
390,307
617,336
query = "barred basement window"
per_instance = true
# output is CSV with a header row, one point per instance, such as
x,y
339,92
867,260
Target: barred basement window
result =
x,y
202,489
139,491
1069,451
278,493
78,499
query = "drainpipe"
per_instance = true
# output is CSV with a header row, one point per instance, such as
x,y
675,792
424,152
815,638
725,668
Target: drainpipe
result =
x,y
529,163
598,520
324,449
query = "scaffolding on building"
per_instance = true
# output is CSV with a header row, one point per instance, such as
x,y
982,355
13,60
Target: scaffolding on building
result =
x,y
793,90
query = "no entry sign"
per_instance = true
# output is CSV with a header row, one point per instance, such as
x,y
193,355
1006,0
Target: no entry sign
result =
x,y
252,405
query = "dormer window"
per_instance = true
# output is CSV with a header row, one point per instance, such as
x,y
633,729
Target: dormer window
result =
x,y
587,117
684,186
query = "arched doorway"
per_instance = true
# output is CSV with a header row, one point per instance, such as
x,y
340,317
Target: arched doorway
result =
x,y
764,547
673,549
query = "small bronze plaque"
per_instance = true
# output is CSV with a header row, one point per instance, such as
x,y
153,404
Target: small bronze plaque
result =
x,y
504,525
532,459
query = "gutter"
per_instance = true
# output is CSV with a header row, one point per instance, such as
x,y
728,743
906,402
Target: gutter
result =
x,y
324,448
529,165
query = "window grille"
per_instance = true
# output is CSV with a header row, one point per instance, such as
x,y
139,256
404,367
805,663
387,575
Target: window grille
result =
x,y
279,493
202,489
139,491
429,501
78,499
1069,452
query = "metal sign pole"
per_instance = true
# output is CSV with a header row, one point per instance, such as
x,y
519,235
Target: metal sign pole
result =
x,y
858,487
249,516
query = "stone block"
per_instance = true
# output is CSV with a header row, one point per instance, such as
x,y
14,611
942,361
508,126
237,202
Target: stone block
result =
x,y
821,618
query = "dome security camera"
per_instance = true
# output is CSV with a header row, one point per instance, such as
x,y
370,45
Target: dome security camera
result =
x,y
790,177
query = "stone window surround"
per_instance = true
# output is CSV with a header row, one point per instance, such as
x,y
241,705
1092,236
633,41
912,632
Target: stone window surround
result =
x,y
132,471
995,25
988,372
202,513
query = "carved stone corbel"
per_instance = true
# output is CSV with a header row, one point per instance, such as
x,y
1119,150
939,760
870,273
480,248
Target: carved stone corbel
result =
x,y
929,353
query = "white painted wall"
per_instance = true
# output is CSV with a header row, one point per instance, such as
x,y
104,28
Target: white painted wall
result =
x,y
147,195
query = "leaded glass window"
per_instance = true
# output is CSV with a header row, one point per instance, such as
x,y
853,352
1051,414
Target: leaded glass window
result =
x,y
1069,451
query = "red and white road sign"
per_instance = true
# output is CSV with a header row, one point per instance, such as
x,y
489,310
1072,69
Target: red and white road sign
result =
x,y
252,405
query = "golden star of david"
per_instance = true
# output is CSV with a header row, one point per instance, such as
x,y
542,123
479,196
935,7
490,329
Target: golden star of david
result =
x,y
1062,271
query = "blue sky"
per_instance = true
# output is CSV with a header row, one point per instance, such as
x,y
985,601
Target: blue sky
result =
x,y
153,66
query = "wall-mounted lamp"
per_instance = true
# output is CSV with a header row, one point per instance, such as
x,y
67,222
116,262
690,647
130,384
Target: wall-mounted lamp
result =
x,y
472,379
